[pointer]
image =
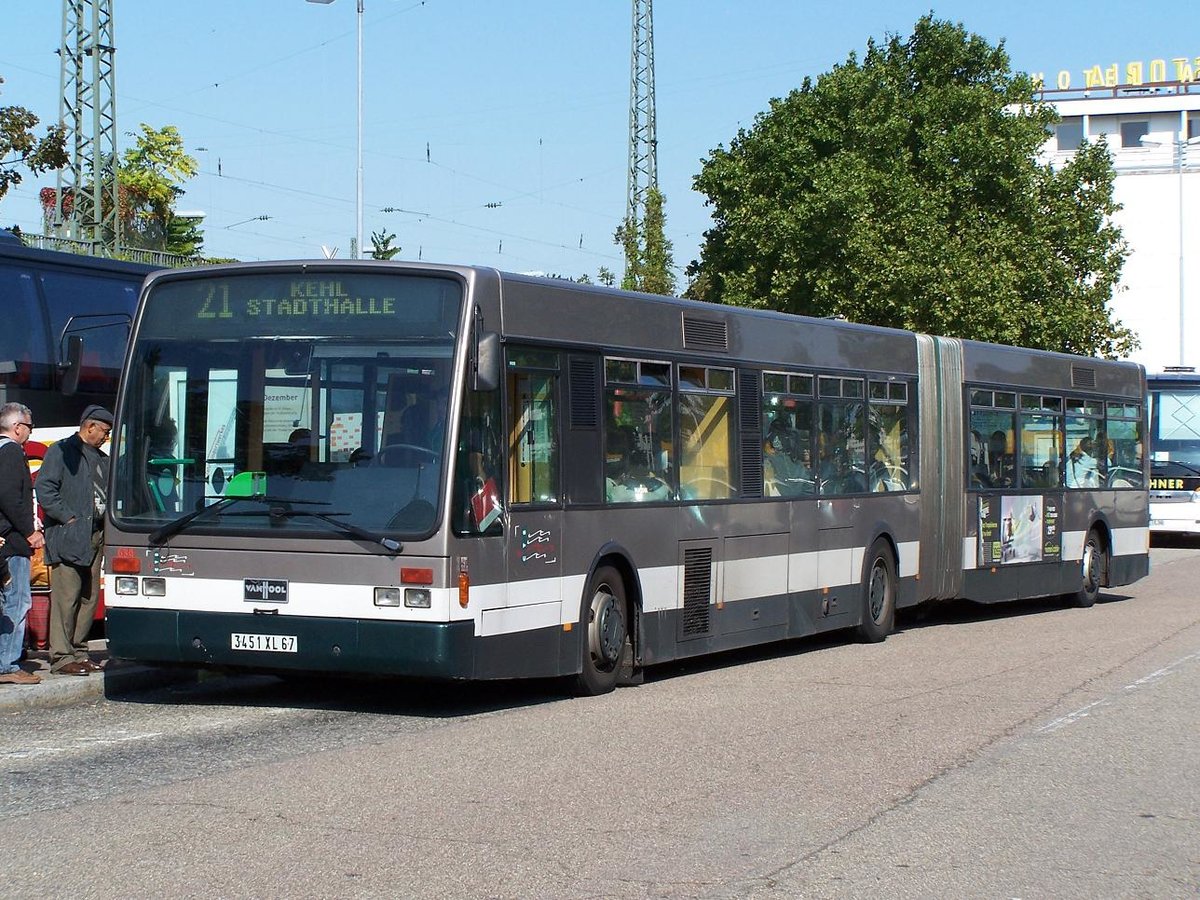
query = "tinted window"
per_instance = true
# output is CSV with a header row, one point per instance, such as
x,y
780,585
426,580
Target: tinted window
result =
x,y
24,357
97,309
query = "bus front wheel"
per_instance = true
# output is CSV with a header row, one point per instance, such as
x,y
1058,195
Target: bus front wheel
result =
x,y
1092,568
879,594
604,622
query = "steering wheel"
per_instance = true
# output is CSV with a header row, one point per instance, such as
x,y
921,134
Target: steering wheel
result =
x,y
404,454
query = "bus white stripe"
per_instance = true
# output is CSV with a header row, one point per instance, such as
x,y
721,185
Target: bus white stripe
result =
x,y
519,618
970,553
1131,541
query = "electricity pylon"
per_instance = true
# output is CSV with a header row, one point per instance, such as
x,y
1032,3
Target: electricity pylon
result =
x,y
643,139
86,205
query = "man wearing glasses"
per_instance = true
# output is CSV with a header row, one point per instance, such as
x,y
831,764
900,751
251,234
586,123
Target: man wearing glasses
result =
x,y
21,538
73,492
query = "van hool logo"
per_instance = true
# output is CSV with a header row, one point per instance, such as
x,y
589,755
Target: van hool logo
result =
x,y
265,590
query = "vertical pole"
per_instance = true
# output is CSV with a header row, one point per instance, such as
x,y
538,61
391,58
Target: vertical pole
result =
x,y
1180,148
358,212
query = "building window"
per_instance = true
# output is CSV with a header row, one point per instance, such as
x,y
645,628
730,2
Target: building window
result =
x,y
1070,134
1133,132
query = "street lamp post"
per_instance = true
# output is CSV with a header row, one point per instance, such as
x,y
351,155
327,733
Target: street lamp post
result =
x,y
358,202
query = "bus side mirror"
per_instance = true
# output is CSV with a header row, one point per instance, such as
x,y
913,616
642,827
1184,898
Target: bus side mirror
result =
x,y
72,366
487,362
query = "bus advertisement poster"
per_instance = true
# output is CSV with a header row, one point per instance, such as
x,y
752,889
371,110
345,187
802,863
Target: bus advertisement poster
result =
x,y
1018,529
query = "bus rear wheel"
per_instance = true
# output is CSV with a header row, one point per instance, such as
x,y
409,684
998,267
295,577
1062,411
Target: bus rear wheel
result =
x,y
879,594
1092,568
603,619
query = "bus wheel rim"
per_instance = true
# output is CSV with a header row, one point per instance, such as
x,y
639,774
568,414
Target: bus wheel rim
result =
x,y
1091,566
878,589
607,633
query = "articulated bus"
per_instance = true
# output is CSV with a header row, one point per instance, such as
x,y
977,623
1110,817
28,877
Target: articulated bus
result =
x,y
1174,402
454,472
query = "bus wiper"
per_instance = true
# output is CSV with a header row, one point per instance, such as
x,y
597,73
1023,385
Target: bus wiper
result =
x,y
282,512
1188,467
172,528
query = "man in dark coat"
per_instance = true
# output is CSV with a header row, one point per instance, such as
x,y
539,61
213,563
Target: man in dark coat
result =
x,y
19,530
72,489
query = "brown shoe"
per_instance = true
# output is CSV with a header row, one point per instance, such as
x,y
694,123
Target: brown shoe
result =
x,y
93,665
20,677
73,668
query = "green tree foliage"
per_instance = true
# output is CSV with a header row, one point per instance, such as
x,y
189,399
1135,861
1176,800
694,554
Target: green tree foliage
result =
x,y
649,265
21,149
150,177
904,190
184,236
381,244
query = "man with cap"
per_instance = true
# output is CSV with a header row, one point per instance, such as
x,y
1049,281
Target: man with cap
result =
x,y
72,488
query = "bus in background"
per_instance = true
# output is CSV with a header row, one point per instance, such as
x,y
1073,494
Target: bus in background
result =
x,y
1174,402
454,472
66,326
66,321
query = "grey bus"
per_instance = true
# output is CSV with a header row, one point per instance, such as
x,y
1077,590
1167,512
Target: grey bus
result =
x,y
454,472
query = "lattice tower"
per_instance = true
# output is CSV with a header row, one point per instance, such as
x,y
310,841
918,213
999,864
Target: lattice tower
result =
x,y
643,139
86,206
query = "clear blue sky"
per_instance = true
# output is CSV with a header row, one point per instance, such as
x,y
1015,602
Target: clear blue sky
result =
x,y
475,102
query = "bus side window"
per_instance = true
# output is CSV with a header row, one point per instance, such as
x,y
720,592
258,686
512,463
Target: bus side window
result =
x,y
533,437
477,505
24,358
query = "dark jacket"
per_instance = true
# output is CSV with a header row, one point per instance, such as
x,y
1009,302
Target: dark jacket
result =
x,y
64,490
16,500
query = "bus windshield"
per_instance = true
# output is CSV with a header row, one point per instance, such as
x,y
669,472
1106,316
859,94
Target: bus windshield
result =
x,y
1175,425
324,396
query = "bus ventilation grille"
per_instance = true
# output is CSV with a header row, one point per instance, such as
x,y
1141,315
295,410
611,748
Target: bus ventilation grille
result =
x,y
705,334
750,420
584,375
1083,377
697,590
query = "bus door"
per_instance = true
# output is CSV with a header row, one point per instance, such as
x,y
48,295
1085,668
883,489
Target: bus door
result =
x,y
535,527
842,479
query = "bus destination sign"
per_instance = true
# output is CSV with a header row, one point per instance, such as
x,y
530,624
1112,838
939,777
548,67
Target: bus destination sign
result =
x,y
300,303
305,298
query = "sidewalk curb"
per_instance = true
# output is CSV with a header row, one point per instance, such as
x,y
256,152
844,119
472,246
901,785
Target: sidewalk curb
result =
x,y
116,680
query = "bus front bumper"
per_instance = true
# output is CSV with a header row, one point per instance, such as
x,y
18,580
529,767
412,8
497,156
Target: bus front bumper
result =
x,y
268,643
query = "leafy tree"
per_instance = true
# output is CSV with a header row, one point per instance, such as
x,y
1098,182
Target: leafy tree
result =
x,y
648,254
184,236
905,190
381,242
626,236
149,176
19,148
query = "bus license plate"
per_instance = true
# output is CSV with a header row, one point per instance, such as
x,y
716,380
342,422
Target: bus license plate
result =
x,y
270,643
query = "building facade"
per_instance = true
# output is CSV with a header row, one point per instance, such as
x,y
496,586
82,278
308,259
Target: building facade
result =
x,y
1153,133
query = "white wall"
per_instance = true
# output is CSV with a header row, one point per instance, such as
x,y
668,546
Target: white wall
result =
x,y
1148,298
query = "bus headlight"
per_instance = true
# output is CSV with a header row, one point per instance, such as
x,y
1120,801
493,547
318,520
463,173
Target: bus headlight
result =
x,y
387,596
417,598
154,587
127,586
